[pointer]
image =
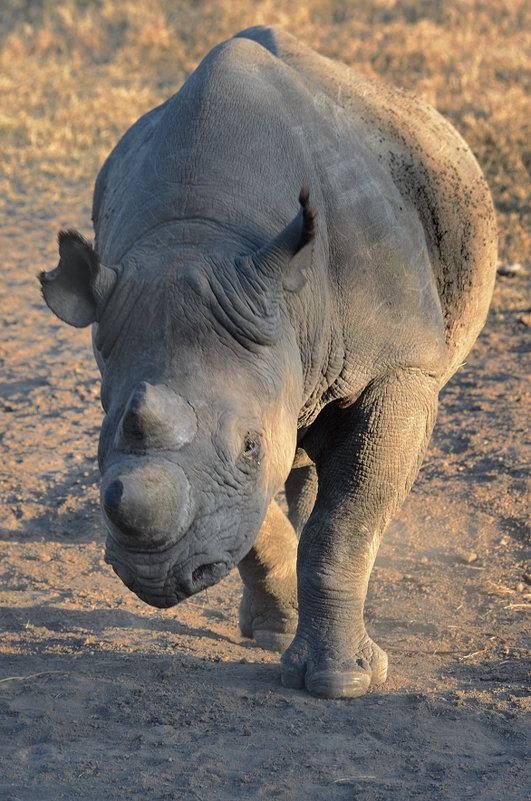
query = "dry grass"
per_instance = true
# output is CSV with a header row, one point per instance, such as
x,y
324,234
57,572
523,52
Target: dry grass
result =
x,y
74,74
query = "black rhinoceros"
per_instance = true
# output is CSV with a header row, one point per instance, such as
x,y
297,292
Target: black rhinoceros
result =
x,y
291,260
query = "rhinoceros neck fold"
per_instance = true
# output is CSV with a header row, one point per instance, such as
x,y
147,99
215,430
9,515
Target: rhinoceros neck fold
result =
x,y
244,307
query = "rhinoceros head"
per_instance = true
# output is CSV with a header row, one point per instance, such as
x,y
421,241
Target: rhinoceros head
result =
x,y
201,385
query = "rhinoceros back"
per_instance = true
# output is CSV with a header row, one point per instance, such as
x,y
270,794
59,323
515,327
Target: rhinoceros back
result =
x,y
433,168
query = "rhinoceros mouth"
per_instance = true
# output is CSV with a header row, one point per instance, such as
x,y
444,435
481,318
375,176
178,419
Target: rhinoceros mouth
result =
x,y
163,581
153,593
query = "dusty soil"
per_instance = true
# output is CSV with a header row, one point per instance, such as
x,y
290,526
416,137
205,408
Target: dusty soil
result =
x,y
103,697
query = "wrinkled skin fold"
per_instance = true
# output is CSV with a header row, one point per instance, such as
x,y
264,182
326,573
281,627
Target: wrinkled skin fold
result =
x,y
249,343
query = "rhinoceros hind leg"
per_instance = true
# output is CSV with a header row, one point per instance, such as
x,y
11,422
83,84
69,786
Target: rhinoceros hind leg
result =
x,y
268,609
301,491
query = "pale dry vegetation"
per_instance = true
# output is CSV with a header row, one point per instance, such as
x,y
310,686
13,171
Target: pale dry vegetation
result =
x,y
75,74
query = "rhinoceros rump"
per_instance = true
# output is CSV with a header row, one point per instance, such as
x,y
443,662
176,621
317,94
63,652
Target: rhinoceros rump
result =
x,y
247,342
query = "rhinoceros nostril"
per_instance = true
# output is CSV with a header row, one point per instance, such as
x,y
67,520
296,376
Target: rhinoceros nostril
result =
x,y
206,575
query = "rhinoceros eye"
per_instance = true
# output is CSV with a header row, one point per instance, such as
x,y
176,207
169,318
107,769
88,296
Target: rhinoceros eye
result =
x,y
252,447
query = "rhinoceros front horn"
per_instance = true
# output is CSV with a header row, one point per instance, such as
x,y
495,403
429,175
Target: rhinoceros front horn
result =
x,y
146,504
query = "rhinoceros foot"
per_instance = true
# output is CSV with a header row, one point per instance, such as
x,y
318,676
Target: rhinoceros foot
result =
x,y
329,673
271,622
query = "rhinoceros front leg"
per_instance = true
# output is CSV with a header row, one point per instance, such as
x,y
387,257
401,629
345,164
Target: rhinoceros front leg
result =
x,y
367,457
268,609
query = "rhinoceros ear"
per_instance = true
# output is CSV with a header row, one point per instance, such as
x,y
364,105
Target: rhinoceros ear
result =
x,y
76,289
287,253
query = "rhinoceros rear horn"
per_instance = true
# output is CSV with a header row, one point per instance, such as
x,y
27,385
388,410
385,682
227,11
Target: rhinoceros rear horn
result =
x,y
156,417
287,253
76,290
